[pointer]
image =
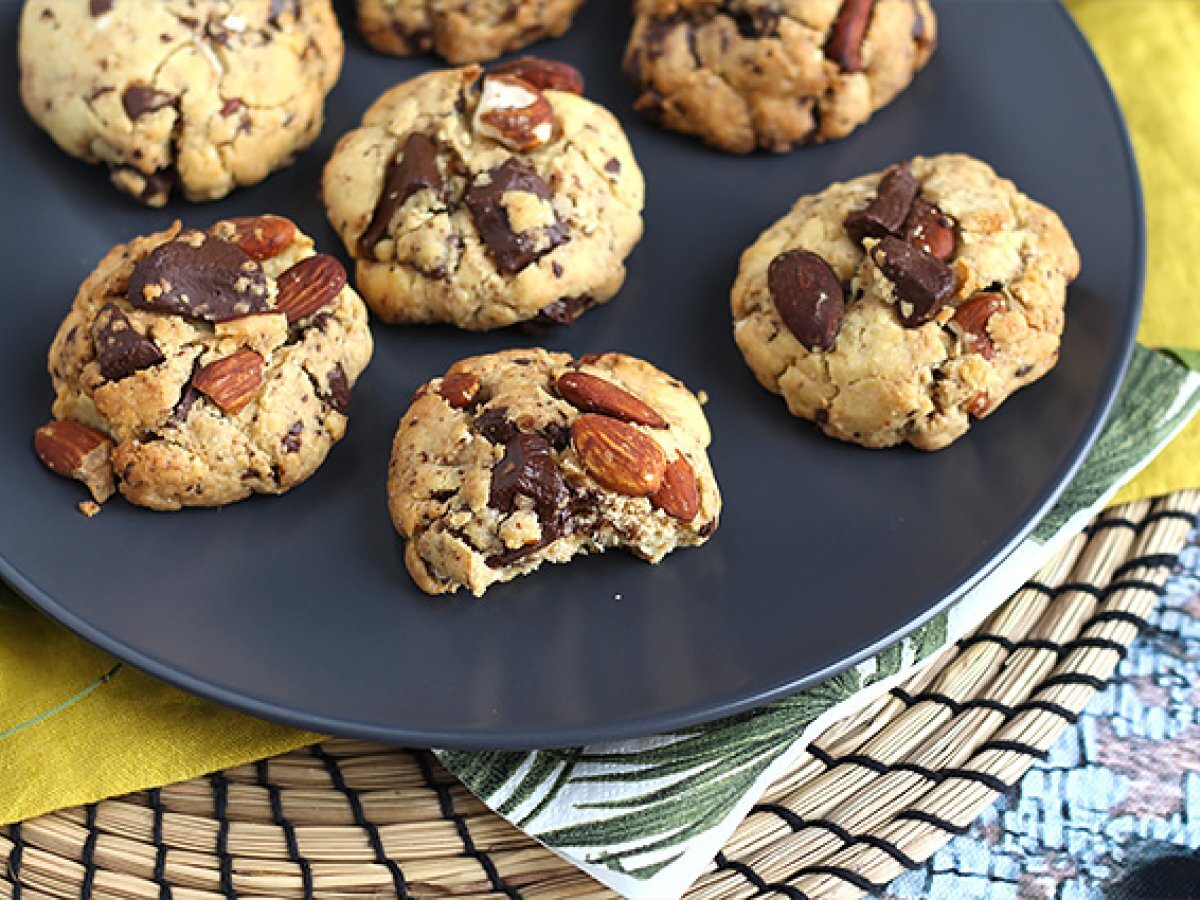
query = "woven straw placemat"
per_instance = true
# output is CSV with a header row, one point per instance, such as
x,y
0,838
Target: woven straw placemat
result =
x,y
876,793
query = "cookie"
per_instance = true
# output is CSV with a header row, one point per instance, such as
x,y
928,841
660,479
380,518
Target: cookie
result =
x,y
203,96
525,456
486,201
462,31
198,367
747,74
899,306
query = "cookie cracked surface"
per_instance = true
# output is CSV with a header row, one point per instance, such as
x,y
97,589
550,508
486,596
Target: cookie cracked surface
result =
x,y
462,31
198,367
525,456
202,95
774,74
486,202
899,306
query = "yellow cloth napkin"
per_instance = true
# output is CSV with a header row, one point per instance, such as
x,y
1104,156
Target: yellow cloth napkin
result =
x,y
135,732
1148,50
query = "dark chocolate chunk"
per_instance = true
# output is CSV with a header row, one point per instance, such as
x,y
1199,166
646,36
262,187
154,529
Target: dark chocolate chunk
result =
x,y
886,213
155,185
278,8
493,424
201,277
291,440
754,23
529,469
187,399
512,250
99,7
120,349
508,557
559,436
923,283
564,311
140,100
414,169
808,296
613,166
337,396
845,42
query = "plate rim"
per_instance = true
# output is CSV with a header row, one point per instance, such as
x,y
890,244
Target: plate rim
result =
x,y
693,714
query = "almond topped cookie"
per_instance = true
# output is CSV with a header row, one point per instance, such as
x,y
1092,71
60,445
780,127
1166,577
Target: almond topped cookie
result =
x,y
483,200
900,306
462,31
198,367
200,97
525,456
747,74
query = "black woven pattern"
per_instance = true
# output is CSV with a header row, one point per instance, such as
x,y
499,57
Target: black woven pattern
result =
x,y
87,855
1149,561
848,838
361,820
1122,581
446,804
764,887
13,873
160,846
220,803
262,773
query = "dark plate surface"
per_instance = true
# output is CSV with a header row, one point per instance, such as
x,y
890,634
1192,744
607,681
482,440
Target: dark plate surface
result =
x,y
299,609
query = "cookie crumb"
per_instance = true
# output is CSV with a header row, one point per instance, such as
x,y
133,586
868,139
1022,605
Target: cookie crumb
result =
x,y
618,596
89,508
702,396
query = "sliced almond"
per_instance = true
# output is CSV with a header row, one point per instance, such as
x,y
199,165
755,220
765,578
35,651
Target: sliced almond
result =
x,y
679,495
618,456
77,451
595,395
231,382
514,113
308,286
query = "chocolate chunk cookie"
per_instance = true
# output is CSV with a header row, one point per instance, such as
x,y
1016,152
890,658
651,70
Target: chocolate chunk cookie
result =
x,y
486,200
202,96
746,74
199,367
524,457
899,306
462,31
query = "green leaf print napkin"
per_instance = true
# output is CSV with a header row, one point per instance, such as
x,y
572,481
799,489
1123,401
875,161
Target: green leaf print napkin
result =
x,y
646,816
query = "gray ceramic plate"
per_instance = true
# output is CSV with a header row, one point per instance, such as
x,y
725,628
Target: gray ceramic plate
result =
x,y
299,609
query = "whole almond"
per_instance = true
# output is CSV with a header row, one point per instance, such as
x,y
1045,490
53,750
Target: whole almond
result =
x,y
513,112
77,451
618,456
808,297
309,285
261,237
679,496
928,228
846,39
544,74
231,382
595,395
459,389
970,321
